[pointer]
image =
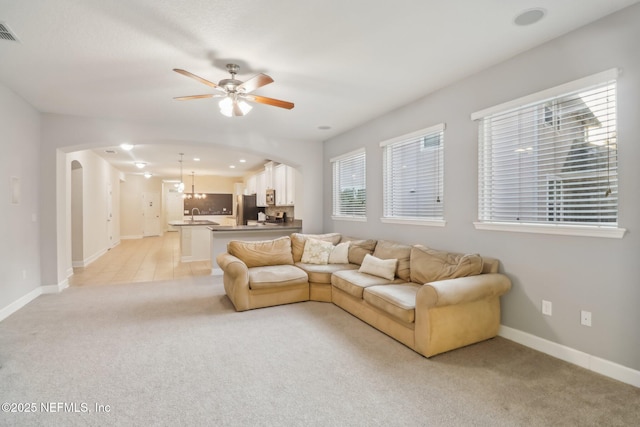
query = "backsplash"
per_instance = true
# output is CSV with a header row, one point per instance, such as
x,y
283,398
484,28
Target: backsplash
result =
x,y
289,210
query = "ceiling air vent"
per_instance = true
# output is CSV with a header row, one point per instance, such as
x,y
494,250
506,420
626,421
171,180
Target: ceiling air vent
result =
x,y
6,33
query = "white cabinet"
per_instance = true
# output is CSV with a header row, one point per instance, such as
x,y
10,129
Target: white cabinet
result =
x,y
284,184
261,189
251,185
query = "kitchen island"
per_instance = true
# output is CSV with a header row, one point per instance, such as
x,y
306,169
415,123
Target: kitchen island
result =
x,y
221,235
194,239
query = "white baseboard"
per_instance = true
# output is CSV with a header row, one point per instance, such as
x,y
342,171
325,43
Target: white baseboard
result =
x,y
135,236
571,355
87,261
19,303
55,289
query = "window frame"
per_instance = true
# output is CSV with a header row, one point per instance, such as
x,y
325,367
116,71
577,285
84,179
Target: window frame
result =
x,y
436,221
599,229
336,213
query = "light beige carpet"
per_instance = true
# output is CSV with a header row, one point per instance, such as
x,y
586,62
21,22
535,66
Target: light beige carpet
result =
x,y
176,353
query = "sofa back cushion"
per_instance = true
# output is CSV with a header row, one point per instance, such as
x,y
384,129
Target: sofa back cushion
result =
x,y
262,253
386,249
429,265
359,248
298,240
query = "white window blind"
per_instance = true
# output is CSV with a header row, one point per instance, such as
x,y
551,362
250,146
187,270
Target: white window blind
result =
x,y
349,185
553,161
413,175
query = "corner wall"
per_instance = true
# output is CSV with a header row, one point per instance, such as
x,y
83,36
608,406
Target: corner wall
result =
x,y
574,273
19,233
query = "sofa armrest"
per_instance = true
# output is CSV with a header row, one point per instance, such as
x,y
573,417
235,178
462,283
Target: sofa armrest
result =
x,y
235,279
462,290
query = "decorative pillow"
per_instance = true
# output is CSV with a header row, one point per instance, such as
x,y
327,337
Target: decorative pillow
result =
x,y
386,249
316,251
298,240
385,268
262,253
359,248
340,254
429,265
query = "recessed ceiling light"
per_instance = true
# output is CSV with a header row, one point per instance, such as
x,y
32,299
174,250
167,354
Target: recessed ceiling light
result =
x,y
126,147
196,159
242,161
148,175
530,16
232,166
140,165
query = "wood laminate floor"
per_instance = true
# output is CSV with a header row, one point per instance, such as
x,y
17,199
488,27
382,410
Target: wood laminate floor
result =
x,y
140,260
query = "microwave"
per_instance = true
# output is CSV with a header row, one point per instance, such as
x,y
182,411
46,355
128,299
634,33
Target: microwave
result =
x,y
271,197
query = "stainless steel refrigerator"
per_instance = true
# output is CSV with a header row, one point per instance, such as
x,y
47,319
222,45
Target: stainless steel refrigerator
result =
x,y
246,209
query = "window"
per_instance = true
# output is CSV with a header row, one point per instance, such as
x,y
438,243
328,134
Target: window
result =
x,y
551,159
413,177
349,186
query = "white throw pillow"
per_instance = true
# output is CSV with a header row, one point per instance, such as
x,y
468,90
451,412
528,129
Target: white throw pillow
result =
x,y
340,254
385,268
316,252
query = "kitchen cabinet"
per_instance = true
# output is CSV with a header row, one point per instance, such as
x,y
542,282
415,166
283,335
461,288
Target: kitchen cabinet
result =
x,y
284,184
261,189
251,185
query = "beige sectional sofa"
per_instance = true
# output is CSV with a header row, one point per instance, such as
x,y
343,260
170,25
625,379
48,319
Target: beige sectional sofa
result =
x,y
431,301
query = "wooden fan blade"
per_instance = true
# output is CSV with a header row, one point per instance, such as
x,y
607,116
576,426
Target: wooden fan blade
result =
x,y
271,101
193,76
185,98
255,82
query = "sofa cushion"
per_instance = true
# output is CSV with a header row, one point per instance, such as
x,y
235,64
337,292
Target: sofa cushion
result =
x,y
298,240
386,249
276,276
354,282
316,251
429,265
340,254
397,300
262,253
385,268
322,273
359,248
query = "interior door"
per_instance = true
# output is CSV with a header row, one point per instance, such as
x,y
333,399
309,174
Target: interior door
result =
x,y
110,215
175,208
151,214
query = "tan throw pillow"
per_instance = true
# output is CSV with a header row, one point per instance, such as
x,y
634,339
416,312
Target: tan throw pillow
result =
x,y
359,248
262,253
386,249
429,265
340,254
385,268
298,240
316,251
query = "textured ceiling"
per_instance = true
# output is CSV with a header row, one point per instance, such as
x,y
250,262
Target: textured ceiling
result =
x,y
341,62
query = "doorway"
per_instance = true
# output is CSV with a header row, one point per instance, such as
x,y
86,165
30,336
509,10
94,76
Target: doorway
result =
x,y
77,215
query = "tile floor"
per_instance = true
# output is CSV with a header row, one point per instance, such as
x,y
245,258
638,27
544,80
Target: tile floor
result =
x,y
140,260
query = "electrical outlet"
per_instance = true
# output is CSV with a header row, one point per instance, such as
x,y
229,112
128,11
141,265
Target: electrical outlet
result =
x,y
585,318
546,307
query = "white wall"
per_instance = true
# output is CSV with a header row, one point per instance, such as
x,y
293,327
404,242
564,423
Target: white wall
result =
x,y
20,248
574,273
97,176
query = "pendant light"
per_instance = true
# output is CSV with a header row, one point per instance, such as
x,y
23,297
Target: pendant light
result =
x,y
193,188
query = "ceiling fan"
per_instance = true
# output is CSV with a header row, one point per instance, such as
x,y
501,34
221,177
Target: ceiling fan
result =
x,y
235,93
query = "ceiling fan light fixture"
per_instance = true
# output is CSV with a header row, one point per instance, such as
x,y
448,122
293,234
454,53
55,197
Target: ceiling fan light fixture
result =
x,y
231,107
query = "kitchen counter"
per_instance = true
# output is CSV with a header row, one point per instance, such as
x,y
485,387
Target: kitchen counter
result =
x,y
194,222
221,236
292,228
195,239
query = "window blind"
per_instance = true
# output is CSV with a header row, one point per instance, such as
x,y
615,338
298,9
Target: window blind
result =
x,y
553,161
413,176
349,185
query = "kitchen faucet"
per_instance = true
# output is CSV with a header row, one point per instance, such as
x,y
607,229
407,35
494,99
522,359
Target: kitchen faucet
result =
x,y
194,209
